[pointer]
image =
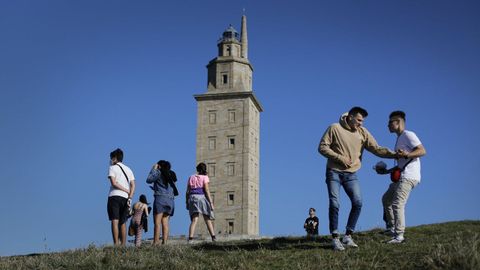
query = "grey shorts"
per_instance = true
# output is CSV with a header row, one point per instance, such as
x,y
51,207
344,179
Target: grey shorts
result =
x,y
198,204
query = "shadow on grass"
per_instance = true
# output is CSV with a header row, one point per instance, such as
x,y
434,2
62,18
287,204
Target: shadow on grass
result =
x,y
279,243
28,255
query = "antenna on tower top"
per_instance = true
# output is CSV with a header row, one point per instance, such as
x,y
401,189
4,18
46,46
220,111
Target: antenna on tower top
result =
x,y
243,11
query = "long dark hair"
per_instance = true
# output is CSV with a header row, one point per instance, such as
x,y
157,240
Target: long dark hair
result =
x,y
202,168
168,175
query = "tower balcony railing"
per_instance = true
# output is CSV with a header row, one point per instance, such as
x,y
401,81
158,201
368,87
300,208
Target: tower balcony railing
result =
x,y
222,39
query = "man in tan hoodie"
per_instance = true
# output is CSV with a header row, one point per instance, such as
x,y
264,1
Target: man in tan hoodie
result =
x,y
343,144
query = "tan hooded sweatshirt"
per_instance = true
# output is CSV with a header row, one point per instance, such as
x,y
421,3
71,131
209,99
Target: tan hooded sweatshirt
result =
x,y
340,144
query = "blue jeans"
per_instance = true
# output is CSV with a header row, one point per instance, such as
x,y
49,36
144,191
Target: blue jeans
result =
x,y
349,182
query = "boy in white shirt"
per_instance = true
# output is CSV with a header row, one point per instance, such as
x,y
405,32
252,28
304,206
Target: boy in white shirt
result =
x,y
120,196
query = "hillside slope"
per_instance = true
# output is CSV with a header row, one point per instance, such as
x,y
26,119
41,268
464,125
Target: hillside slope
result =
x,y
452,245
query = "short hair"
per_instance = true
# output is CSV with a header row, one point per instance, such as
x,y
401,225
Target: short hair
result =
x,y
202,168
118,154
400,114
311,208
353,111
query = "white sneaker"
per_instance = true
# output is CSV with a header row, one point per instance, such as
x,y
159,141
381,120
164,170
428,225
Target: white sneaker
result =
x,y
337,245
348,241
396,240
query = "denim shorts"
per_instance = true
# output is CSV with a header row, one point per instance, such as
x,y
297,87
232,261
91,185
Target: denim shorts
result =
x,y
164,204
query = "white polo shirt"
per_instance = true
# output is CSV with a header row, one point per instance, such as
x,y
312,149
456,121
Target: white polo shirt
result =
x,y
116,173
407,141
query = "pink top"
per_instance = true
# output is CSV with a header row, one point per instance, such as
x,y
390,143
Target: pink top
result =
x,y
197,181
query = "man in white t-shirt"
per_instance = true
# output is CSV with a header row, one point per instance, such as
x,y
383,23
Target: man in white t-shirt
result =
x,y
410,149
120,196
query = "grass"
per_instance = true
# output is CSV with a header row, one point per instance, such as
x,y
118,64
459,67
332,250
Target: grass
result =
x,y
452,245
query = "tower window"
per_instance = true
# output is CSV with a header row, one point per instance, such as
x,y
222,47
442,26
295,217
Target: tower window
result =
x,y
229,50
230,198
211,169
230,228
231,142
212,143
230,169
212,195
225,78
231,116
212,117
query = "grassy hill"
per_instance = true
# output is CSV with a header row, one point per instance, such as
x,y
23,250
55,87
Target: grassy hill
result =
x,y
452,245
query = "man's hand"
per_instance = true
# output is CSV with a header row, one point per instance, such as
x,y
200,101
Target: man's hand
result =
x,y
347,162
402,153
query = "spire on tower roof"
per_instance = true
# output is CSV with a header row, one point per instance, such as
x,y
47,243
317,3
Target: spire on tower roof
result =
x,y
244,37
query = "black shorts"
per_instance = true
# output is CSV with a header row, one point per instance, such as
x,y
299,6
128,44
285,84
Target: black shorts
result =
x,y
117,208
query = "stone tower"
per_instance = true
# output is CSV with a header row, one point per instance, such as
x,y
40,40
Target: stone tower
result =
x,y
228,137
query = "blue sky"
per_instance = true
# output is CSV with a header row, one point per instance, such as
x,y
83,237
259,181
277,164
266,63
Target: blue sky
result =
x,y
81,78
